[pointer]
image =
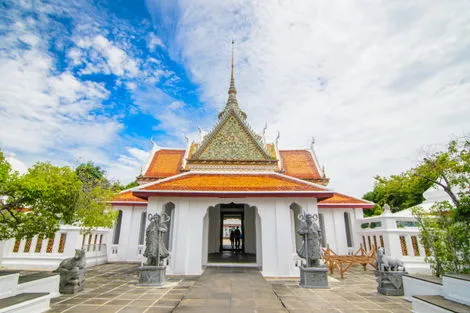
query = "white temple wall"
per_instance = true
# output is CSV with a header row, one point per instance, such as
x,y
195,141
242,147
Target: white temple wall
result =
x,y
330,235
196,232
357,215
269,229
335,229
128,248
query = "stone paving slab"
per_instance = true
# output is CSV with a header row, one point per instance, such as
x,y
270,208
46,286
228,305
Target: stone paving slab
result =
x,y
357,292
113,288
222,289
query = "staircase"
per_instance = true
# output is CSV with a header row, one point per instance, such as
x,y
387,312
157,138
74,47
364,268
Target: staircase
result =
x,y
27,293
452,294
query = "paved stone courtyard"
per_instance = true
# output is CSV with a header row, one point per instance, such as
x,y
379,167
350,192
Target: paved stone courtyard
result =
x,y
112,288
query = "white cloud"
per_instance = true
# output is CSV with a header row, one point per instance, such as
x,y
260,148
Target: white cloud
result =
x,y
373,82
15,163
154,41
46,113
104,56
129,165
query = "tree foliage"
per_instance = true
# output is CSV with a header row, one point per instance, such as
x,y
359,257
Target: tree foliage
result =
x,y
399,191
93,210
445,230
47,195
446,239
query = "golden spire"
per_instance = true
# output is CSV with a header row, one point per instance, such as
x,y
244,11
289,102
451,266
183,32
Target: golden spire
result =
x,y
232,89
232,102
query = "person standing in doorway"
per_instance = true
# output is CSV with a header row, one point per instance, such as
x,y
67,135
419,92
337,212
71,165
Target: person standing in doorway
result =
x,y
232,238
237,234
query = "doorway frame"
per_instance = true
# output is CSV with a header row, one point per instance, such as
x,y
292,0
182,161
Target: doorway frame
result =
x,y
221,229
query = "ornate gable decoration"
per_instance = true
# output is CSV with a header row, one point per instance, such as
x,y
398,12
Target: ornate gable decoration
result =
x,y
231,140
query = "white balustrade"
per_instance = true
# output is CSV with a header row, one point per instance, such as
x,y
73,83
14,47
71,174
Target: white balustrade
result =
x,y
47,253
398,234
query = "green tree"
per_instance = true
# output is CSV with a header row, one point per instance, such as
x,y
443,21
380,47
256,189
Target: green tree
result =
x,y
445,230
450,170
119,187
399,191
93,209
46,196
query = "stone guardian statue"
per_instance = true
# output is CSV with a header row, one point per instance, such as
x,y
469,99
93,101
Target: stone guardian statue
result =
x,y
155,250
313,274
311,238
153,272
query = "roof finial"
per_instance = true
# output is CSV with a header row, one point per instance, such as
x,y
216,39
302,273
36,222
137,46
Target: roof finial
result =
x,y
232,103
232,89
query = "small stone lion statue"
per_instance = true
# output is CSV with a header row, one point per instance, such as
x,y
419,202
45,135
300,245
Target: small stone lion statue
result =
x,y
71,263
72,273
386,263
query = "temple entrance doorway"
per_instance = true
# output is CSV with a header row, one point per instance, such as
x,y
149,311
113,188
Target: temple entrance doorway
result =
x,y
233,235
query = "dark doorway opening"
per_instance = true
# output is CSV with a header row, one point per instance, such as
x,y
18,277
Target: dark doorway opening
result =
x,y
234,219
232,232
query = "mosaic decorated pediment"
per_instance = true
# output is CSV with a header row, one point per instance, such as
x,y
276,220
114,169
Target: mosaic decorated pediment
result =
x,y
232,140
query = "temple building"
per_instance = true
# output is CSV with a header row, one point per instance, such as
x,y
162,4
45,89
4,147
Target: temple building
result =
x,y
233,174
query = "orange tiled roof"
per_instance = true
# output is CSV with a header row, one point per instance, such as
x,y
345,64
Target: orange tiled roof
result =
x,y
229,182
299,164
127,196
165,163
342,199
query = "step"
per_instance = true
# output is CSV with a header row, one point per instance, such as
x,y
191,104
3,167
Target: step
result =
x,y
8,282
25,303
40,282
457,287
422,285
437,304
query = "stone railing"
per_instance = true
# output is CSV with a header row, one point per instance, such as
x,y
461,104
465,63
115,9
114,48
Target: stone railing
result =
x,y
398,235
47,253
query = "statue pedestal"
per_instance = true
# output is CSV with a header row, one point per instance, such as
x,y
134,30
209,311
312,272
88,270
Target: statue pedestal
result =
x,y
152,275
390,283
71,281
313,277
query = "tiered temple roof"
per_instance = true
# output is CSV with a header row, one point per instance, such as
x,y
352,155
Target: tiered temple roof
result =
x,y
224,183
233,160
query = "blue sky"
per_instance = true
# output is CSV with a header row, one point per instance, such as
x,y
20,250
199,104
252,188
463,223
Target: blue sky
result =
x,y
373,82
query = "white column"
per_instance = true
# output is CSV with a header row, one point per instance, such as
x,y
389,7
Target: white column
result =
x,y
187,257
330,229
73,240
340,232
134,231
276,237
409,245
205,238
126,228
285,264
259,241
267,214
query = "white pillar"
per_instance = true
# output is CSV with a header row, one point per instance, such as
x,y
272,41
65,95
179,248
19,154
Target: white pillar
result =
x,y
340,232
187,257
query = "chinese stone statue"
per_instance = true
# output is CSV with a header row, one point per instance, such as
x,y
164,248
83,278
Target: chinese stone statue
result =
x,y
155,250
311,235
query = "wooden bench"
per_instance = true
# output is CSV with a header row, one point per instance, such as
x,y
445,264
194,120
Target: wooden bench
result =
x,y
344,262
